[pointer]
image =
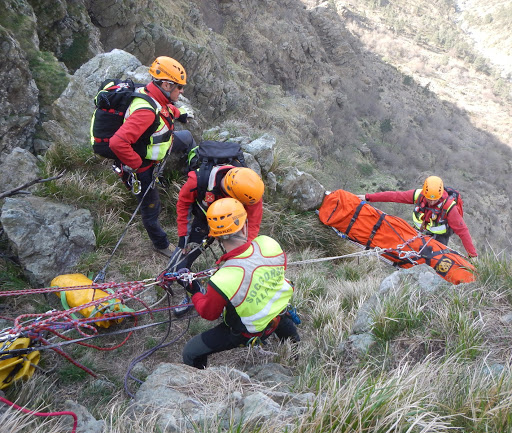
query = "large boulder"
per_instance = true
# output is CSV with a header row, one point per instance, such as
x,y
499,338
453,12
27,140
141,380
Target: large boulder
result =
x,y
47,237
302,189
73,109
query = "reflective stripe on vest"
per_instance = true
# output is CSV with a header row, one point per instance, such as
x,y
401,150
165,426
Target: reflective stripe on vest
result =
x,y
436,226
254,283
161,140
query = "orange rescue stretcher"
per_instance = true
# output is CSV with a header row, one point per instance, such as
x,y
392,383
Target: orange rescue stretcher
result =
x,y
401,243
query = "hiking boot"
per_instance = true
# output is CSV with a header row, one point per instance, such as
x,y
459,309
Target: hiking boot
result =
x,y
167,252
180,311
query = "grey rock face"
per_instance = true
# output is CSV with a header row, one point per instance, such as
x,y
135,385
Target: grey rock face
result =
x,y
18,168
47,237
304,191
186,398
18,96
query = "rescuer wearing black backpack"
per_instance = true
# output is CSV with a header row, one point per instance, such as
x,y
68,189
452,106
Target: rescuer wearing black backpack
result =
x,y
146,136
222,181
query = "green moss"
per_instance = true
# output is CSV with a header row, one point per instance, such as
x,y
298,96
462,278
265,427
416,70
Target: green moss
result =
x,y
77,53
50,77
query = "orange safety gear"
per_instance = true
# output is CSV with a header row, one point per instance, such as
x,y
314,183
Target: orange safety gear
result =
x,y
433,188
166,68
244,184
225,217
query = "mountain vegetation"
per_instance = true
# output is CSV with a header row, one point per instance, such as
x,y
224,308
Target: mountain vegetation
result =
x,y
365,95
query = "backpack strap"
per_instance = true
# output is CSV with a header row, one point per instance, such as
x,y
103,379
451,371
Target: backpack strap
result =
x,y
203,175
147,98
448,205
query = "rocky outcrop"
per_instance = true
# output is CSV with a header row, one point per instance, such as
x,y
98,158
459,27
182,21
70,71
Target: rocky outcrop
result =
x,y
184,397
16,169
65,29
18,96
47,237
421,278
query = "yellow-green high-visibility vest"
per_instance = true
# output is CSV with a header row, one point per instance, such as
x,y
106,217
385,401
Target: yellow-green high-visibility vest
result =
x,y
438,223
161,140
254,283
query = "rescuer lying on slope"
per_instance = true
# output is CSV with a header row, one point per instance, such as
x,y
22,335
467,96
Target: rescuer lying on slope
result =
x,y
436,212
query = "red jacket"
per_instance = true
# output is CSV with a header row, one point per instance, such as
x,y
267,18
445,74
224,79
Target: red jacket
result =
x,y
138,123
210,305
454,218
187,200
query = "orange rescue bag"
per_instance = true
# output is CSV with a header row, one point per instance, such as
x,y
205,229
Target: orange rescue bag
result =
x,y
404,246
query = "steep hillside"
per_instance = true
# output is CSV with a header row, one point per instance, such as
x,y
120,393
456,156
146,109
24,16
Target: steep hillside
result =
x,y
365,95
362,96
488,24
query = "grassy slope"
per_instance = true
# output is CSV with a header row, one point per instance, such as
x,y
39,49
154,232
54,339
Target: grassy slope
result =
x,y
425,371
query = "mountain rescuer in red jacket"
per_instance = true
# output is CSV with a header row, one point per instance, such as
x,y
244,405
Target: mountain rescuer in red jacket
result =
x,y
249,289
169,79
435,212
241,183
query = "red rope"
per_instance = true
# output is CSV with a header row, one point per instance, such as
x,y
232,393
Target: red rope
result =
x,y
103,286
92,346
45,414
18,327
66,356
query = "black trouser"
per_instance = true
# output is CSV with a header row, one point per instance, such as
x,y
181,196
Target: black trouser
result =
x,y
443,238
151,205
150,209
221,337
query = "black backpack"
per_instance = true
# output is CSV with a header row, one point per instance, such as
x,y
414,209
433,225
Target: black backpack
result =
x,y
208,154
112,100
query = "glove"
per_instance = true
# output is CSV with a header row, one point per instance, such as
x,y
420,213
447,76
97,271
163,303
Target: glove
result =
x,y
194,288
473,259
182,118
361,196
189,247
127,169
185,114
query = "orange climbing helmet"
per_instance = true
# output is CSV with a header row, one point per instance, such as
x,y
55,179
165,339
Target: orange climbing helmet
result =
x,y
244,184
166,68
225,217
433,188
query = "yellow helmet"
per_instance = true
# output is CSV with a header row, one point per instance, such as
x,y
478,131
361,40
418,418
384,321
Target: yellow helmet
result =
x,y
225,217
433,188
244,184
166,68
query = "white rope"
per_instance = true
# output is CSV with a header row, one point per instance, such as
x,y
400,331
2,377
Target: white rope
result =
x,y
374,251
